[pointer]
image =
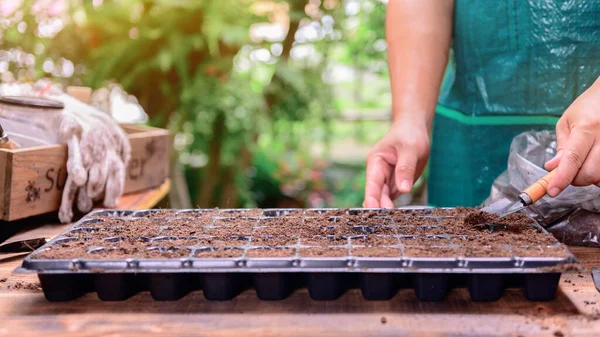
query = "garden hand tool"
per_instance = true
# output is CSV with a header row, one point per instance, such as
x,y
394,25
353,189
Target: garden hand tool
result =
x,y
530,195
596,277
5,142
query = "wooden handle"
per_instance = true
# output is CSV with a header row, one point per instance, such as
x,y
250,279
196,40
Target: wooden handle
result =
x,y
10,145
83,94
539,189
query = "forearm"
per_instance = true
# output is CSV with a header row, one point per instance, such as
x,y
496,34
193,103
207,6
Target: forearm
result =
x,y
596,86
418,35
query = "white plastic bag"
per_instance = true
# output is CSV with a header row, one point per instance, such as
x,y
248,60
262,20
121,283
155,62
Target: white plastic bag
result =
x,y
528,153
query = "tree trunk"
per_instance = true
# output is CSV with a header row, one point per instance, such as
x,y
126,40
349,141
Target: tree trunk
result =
x,y
206,186
229,193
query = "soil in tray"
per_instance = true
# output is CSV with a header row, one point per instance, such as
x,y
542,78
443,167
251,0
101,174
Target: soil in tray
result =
x,y
378,241
271,252
424,251
426,233
118,251
230,230
241,213
324,241
479,218
540,251
236,222
273,241
322,252
376,252
220,252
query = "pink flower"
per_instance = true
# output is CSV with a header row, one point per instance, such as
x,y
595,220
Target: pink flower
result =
x,y
50,7
316,175
7,8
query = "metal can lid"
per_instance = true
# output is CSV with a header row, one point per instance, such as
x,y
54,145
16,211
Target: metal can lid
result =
x,y
3,136
32,101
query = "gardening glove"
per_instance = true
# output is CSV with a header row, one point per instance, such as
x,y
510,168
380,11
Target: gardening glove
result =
x,y
98,150
123,108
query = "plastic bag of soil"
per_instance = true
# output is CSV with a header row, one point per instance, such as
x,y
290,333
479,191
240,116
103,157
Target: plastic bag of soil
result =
x,y
580,228
565,216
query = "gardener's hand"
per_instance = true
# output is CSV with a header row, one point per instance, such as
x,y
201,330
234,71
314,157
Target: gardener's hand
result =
x,y
396,161
578,137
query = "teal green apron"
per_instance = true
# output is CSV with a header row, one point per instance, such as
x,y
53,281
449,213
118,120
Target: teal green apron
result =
x,y
516,65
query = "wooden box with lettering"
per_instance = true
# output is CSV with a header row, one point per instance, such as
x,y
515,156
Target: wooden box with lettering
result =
x,y
32,178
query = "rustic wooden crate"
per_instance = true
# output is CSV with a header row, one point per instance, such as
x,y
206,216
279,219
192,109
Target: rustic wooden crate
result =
x,y
32,179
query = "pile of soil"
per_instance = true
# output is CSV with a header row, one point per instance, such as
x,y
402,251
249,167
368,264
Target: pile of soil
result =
x,y
481,218
297,233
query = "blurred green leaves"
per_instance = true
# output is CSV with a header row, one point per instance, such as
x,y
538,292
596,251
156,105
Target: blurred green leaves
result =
x,y
242,108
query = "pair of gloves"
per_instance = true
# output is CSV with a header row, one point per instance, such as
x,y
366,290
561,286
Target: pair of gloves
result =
x,y
98,149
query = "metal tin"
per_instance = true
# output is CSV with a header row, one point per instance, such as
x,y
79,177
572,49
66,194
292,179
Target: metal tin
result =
x,y
3,136
32,117
32,102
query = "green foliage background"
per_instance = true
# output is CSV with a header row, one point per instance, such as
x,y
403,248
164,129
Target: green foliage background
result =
x,y
249,131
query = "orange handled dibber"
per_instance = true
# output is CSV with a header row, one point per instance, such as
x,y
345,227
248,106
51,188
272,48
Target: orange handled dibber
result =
x,y
537,190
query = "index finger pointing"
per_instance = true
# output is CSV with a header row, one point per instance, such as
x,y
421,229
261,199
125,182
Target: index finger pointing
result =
x,y
377,172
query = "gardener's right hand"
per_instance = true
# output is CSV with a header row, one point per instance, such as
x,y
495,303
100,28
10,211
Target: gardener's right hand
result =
x,y
396,162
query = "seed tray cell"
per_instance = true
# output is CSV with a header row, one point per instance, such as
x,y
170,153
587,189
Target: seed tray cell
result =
x,y
275,251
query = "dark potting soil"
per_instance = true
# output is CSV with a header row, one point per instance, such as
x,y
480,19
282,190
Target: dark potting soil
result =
x,y
315,233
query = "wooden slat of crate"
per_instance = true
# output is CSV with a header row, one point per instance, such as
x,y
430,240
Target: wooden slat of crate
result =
x,y
32,179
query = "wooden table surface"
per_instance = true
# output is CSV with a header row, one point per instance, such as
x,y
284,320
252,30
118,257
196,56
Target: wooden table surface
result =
x,y
575,312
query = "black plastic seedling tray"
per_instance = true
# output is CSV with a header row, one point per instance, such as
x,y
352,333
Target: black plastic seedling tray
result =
x,y
157,261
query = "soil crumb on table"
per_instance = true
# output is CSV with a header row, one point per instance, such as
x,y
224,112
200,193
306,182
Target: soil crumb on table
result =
x,y
25,286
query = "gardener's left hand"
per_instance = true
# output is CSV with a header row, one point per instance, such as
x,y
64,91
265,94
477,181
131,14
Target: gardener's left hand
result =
x,y
578,150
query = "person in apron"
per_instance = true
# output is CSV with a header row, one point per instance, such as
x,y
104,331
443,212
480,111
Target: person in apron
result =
x,y
504,67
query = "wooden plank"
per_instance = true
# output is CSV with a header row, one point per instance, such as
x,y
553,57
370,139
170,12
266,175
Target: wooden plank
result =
x,y
28,313
47,228
4,169
145,199
327,324
39,173
38,177
150,158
